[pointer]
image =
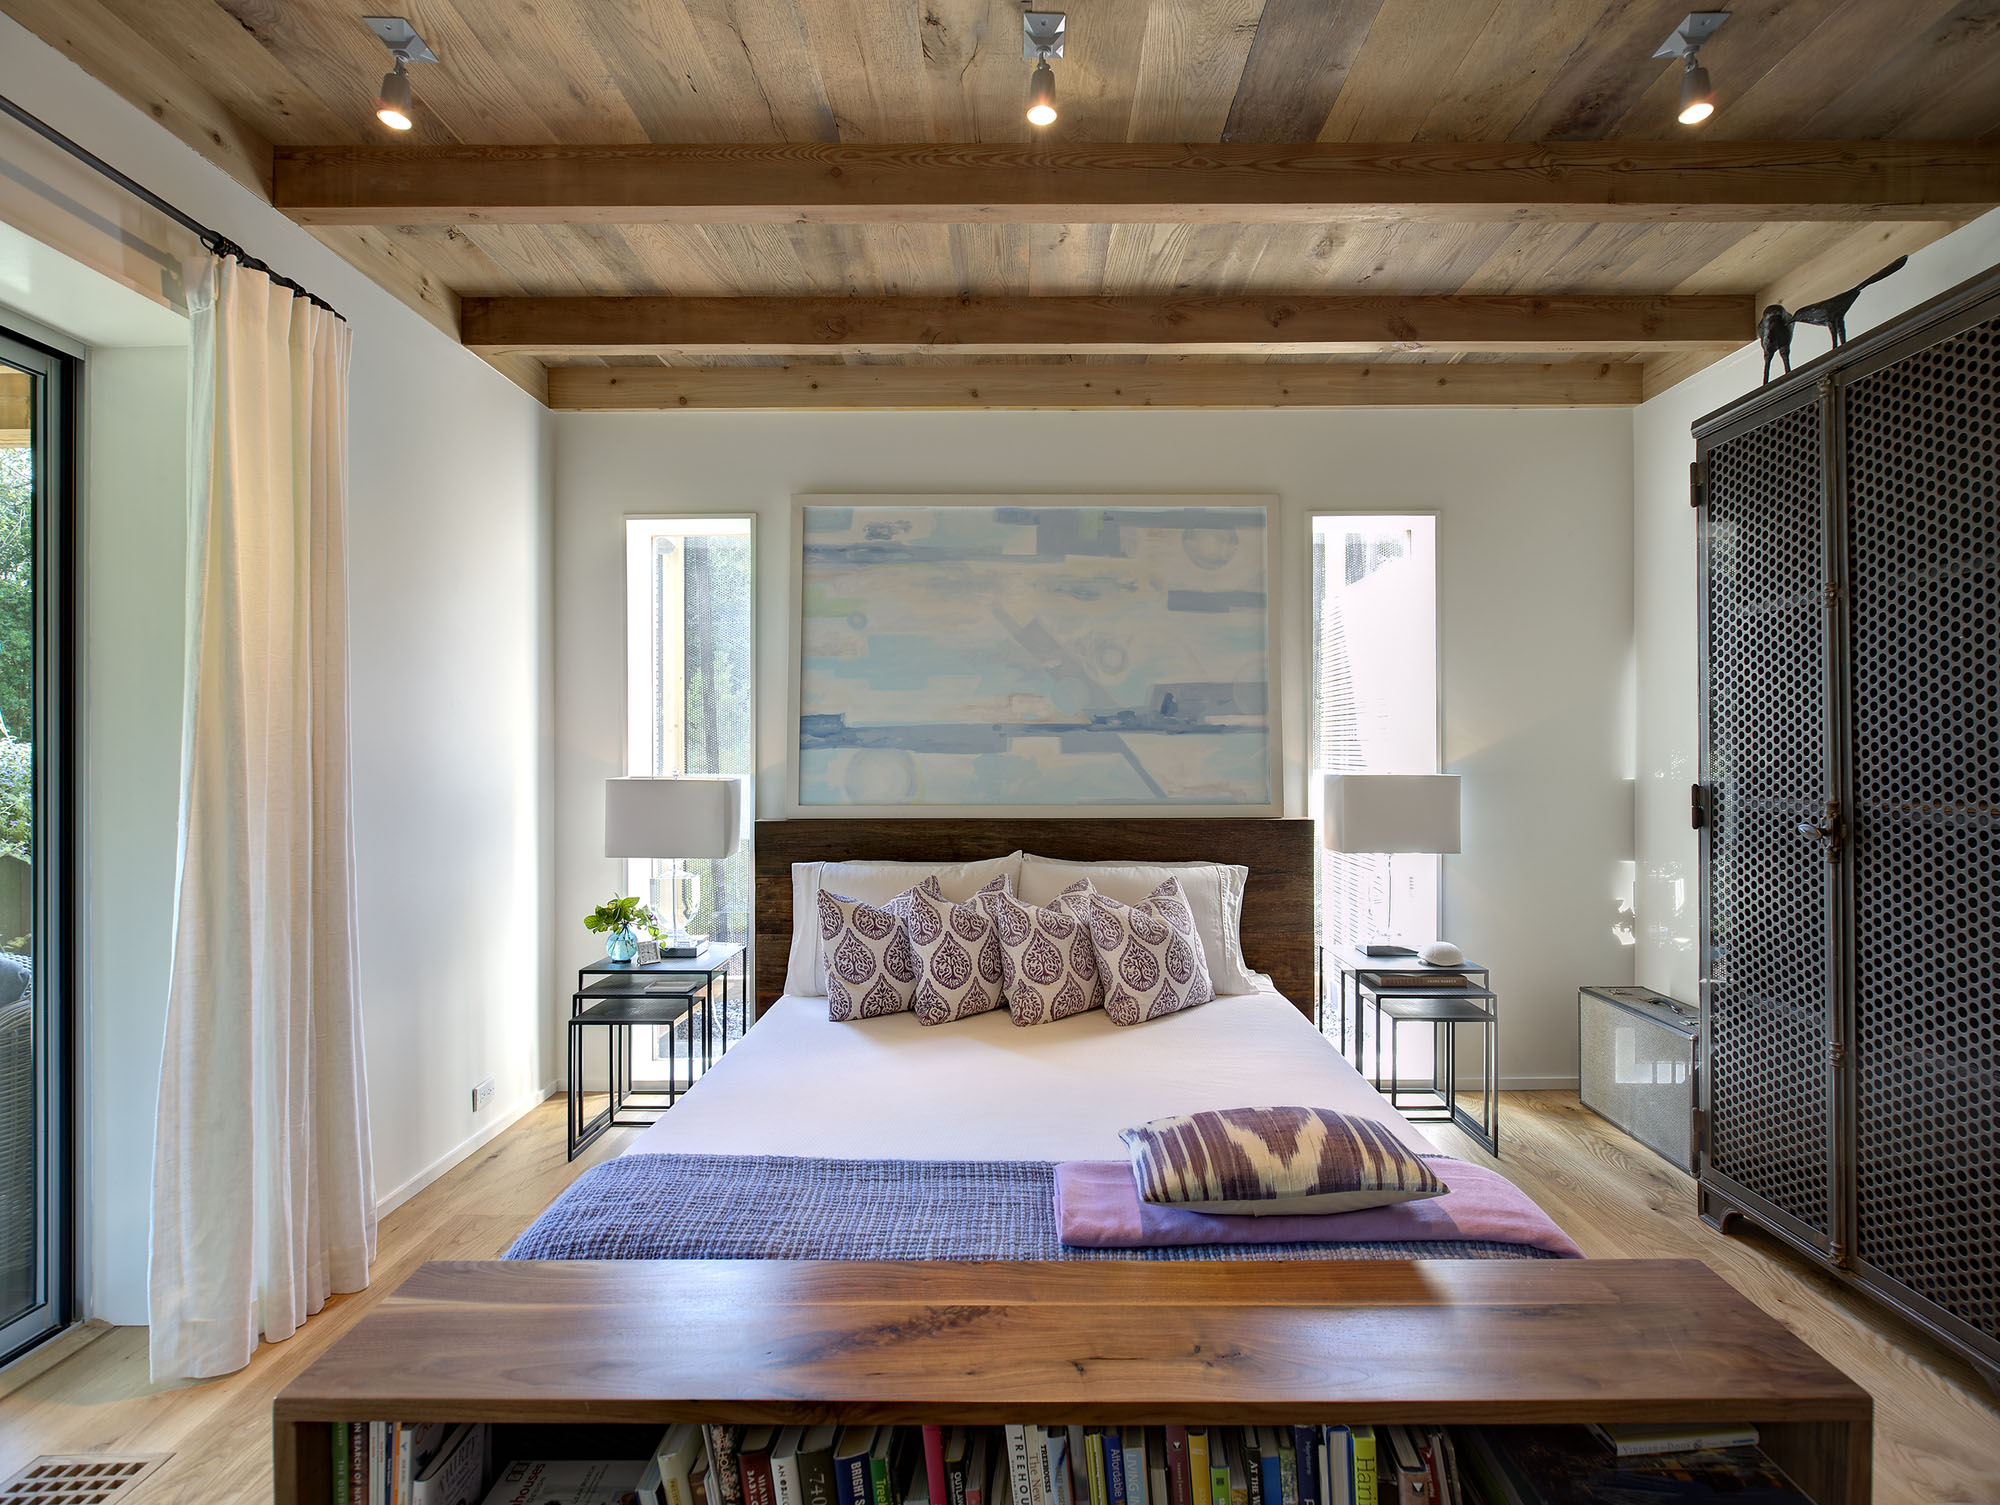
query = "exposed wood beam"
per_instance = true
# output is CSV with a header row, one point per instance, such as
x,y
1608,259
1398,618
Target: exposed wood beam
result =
x,y
1233,325
1042,385
1139,183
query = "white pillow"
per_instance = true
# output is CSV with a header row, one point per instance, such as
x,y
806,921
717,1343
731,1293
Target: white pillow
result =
x,y
873,883
1214,893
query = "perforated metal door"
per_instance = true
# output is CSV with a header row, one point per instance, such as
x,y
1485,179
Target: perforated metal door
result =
x,y
1923,547
1767,888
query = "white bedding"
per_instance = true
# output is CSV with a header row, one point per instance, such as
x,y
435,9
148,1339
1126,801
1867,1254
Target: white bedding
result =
x,y
985,1089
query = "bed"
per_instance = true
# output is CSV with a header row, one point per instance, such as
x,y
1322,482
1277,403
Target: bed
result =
x,y
888,1139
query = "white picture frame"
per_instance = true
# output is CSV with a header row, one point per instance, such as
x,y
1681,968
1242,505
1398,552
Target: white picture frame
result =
x,y
1264,525
648,954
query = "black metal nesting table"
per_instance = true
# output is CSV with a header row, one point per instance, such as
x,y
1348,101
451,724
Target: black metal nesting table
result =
x,y
616,997
1445,1010
1350,962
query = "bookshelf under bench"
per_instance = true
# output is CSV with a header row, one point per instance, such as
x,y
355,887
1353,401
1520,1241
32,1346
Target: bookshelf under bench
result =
x,y
602,1346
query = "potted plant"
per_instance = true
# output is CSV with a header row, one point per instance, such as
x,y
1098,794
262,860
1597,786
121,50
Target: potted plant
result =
x,y
618,921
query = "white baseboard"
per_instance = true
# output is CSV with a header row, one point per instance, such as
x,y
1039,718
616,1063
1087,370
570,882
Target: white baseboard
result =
x,y
390,1201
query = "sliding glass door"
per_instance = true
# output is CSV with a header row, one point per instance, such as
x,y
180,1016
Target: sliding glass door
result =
x,y
36,403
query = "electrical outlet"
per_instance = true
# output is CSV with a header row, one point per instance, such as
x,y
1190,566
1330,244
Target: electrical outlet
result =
x,y
482,1094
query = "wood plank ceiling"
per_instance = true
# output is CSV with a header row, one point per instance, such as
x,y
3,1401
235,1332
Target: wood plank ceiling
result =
x,y
238,78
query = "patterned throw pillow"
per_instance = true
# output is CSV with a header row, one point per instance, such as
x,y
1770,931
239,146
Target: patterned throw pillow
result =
x,y
957,953
1273,1161
870,970
1049,964
1148,954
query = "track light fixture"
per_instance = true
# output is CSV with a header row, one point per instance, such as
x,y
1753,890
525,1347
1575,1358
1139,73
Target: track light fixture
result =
x,y
1041,39
1697,94
393,105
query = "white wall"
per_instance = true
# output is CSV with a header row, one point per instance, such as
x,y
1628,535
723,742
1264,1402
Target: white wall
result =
x,y
1535,573
1664,589
450,594
132,542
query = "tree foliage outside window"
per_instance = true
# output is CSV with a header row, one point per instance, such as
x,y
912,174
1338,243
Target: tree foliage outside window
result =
x,y
17,654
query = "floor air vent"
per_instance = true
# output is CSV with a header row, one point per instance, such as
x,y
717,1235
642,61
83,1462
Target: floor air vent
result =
x,y
78,1479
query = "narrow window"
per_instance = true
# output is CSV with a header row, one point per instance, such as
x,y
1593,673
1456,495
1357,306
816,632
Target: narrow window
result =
x,y
1375,693
689,709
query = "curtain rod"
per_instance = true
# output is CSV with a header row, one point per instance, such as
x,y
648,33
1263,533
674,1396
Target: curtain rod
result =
x,y
217,243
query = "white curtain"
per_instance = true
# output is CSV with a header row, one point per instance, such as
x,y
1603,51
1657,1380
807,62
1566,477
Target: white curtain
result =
x,y
263,1191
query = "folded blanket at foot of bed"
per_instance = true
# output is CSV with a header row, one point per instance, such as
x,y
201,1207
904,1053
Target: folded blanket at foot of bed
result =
x,y
787,1207
1098,1206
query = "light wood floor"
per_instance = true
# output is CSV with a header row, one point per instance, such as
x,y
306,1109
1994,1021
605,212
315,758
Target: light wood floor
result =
x,y
1937,1427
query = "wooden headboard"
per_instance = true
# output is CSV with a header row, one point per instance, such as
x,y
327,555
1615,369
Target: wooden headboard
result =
x,y
1277,896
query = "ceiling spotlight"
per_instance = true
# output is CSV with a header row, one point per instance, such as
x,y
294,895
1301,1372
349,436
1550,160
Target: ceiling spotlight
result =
x,y
393,106
1697,94
1042,39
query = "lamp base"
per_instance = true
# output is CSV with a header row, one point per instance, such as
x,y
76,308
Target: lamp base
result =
x,y
1385,948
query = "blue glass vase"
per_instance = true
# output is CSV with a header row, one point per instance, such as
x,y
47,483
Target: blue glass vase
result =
x,y
621,945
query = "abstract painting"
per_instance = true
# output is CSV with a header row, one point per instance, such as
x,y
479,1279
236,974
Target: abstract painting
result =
x,y
1055,652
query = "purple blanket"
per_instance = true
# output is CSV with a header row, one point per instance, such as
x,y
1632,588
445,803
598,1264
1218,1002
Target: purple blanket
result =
x,y
1098,1207
789,1207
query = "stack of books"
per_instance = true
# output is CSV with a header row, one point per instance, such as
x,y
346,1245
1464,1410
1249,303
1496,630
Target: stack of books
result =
x,y
410,1463
1315,1464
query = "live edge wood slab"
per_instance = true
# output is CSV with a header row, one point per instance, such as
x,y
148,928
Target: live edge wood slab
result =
x,y
806,1342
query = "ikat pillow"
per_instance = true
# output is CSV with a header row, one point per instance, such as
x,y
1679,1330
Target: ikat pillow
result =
x,y
870,969
1148,955
957,953
1275,1161
1049,966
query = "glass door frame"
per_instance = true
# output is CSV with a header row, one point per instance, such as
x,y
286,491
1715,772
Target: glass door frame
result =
x,y
54,430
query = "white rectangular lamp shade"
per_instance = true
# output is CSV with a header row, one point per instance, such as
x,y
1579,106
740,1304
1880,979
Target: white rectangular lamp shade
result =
x,y
690,815
1390,812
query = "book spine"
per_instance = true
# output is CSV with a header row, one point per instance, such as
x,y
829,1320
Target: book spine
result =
x,y
1305,1448
785,1480
934,1473
1198,1475
342,1460
725,1480
1093,1466
406,1464
1288,1468
878,1481
1135,1466
1218,1472
1365,1492
1017,1465
1114,1469
758,1485
378,1463
978,1464
816,1478
1061,1491
850,1479
357,1464
1180,1486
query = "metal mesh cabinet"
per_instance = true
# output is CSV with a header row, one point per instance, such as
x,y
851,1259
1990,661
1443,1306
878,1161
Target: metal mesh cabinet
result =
x,y
1850,813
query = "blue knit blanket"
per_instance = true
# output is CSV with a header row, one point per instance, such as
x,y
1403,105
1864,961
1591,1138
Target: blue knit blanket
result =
x,y
788,1207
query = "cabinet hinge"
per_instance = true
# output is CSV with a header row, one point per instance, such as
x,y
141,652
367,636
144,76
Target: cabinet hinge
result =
x,y
1697,493
1697,805
1839,1255
1829,831
1832,594
1837,1052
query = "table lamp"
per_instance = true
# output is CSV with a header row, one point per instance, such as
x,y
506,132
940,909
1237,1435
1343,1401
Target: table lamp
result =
x,y
1389,813
675,817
